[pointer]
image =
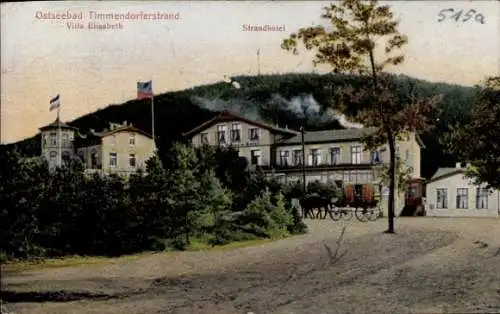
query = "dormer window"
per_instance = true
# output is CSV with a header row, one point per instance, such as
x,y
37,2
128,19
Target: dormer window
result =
x,y
254,134
221,134
204,138
132,139
235,132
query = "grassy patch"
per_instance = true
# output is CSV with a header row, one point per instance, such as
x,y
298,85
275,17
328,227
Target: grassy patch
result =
x,y
68,261
88,261
201,245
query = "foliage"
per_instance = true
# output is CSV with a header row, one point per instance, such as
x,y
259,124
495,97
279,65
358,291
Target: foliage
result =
x,y
65,211
478,141
350,47
328,190
263,218
403,174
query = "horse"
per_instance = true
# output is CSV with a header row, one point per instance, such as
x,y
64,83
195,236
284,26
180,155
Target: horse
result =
x,y
314,201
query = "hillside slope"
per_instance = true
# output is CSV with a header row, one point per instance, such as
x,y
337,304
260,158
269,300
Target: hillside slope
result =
x,y
289,99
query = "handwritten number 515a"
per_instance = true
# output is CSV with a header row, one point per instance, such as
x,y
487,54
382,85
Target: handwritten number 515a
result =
x,y
458,15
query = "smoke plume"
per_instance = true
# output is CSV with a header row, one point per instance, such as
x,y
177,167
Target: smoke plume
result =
x,y
303,107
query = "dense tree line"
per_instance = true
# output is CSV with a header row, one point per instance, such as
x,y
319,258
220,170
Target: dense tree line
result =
x,y
477,140
55,213
183,113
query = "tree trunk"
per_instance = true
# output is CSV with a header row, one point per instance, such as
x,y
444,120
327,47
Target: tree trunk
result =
x,y
392,182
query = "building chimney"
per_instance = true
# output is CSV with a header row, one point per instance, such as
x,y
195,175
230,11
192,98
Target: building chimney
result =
x,y
458,165
124,123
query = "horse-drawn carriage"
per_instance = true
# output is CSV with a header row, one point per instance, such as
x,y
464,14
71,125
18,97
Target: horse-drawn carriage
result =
x,y
358,200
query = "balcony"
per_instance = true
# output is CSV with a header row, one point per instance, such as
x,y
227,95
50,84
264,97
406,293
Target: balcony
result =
x,y
322,166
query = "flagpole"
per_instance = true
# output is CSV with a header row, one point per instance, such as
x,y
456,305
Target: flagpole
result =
x,y
59,136
153,120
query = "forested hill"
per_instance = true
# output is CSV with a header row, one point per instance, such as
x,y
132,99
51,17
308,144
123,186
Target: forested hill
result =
x,y
289,99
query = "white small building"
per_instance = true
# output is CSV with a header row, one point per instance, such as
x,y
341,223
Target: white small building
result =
x,y
450,194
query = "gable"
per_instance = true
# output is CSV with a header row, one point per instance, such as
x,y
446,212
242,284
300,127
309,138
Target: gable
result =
x,y
443,173
227,116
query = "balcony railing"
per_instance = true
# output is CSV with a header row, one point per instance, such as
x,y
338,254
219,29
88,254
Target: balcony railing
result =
x,y
291,166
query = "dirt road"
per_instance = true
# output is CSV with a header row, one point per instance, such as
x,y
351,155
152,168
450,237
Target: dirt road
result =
x,y
432,265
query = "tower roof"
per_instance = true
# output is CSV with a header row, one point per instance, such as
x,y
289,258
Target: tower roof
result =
x,y
57,124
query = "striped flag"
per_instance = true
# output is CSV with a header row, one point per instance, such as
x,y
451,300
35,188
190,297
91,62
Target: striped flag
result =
x,y
54,103
144,90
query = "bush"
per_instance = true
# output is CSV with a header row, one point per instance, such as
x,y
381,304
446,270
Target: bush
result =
x,y
264,219
56,213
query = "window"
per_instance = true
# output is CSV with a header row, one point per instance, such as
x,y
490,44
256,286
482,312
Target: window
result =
x,y
131,139
255,156
235,132
376,159
254,134
204,138
364,177
346,177
284,155
53,156
44,141
335,155
297,157
65,141
482,198
53,139
113,139
221,134
315,157
356,154
353,177
132,161
93,158
462,198
113,160
441,198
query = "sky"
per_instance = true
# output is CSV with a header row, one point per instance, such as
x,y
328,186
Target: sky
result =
x,y
199,44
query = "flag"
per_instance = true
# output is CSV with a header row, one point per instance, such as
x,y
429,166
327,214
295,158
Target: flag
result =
x,y
54,103
144,90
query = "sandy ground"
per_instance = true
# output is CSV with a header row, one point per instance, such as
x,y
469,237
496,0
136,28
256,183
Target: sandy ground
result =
x,y
432,265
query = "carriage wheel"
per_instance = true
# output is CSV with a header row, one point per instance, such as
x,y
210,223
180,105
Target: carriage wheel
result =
x,y
347,213
361,214
374,214
335,213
